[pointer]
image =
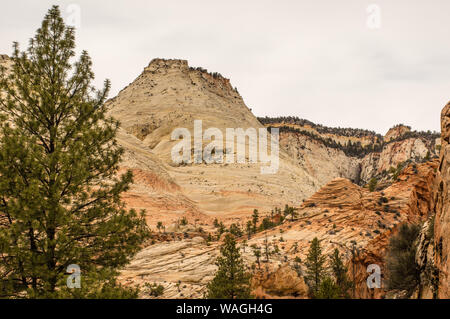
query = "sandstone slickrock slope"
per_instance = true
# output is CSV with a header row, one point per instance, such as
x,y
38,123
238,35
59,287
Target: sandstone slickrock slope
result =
x,y
168,95
341,214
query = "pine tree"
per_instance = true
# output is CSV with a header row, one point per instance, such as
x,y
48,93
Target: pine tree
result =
x,y
255,218
267,251
235,230
403,272
249,229
221,229
328,289
373,184
59,188
315,268
231,280
257,253
288,210
340,274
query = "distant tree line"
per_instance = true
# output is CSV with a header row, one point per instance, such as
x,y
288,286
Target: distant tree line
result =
x,y
356,149
348,132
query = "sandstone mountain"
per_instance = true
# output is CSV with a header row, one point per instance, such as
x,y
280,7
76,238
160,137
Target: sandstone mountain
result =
x,y
168,95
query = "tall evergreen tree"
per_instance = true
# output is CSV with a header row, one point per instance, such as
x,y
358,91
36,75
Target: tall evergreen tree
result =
x,y
315,268
288,210
59,188
257,253
340,274
231,280
255,218
403,272
249,229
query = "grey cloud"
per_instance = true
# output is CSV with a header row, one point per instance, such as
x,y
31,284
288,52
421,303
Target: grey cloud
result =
x,y
312,59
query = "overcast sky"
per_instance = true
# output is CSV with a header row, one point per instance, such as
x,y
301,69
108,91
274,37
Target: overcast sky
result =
x,y
319,60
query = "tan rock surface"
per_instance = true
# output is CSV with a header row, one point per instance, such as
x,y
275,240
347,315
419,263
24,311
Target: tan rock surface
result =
x,y
342,214
396,132
323,163
168,95
442,219
306,145
279,283
392,154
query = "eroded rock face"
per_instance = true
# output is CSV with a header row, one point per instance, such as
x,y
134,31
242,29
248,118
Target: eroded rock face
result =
x,y
425,258
442,219
280,283
170,95
358,155
5,60
182,267
396,132
394,153
323,163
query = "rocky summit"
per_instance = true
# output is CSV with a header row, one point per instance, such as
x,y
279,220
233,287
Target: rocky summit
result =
x,y
169,95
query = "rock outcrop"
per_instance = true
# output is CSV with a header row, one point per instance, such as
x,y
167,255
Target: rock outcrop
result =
x,y
168,95
358,155
357,222
442,209
282,282
396,132
322,162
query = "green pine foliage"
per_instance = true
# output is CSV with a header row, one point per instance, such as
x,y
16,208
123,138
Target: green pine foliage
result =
x,y
373,184
315,267
59,188
154,289
403,271
328,289
255,219
235,230
339,271
257,253
288,210
231,280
